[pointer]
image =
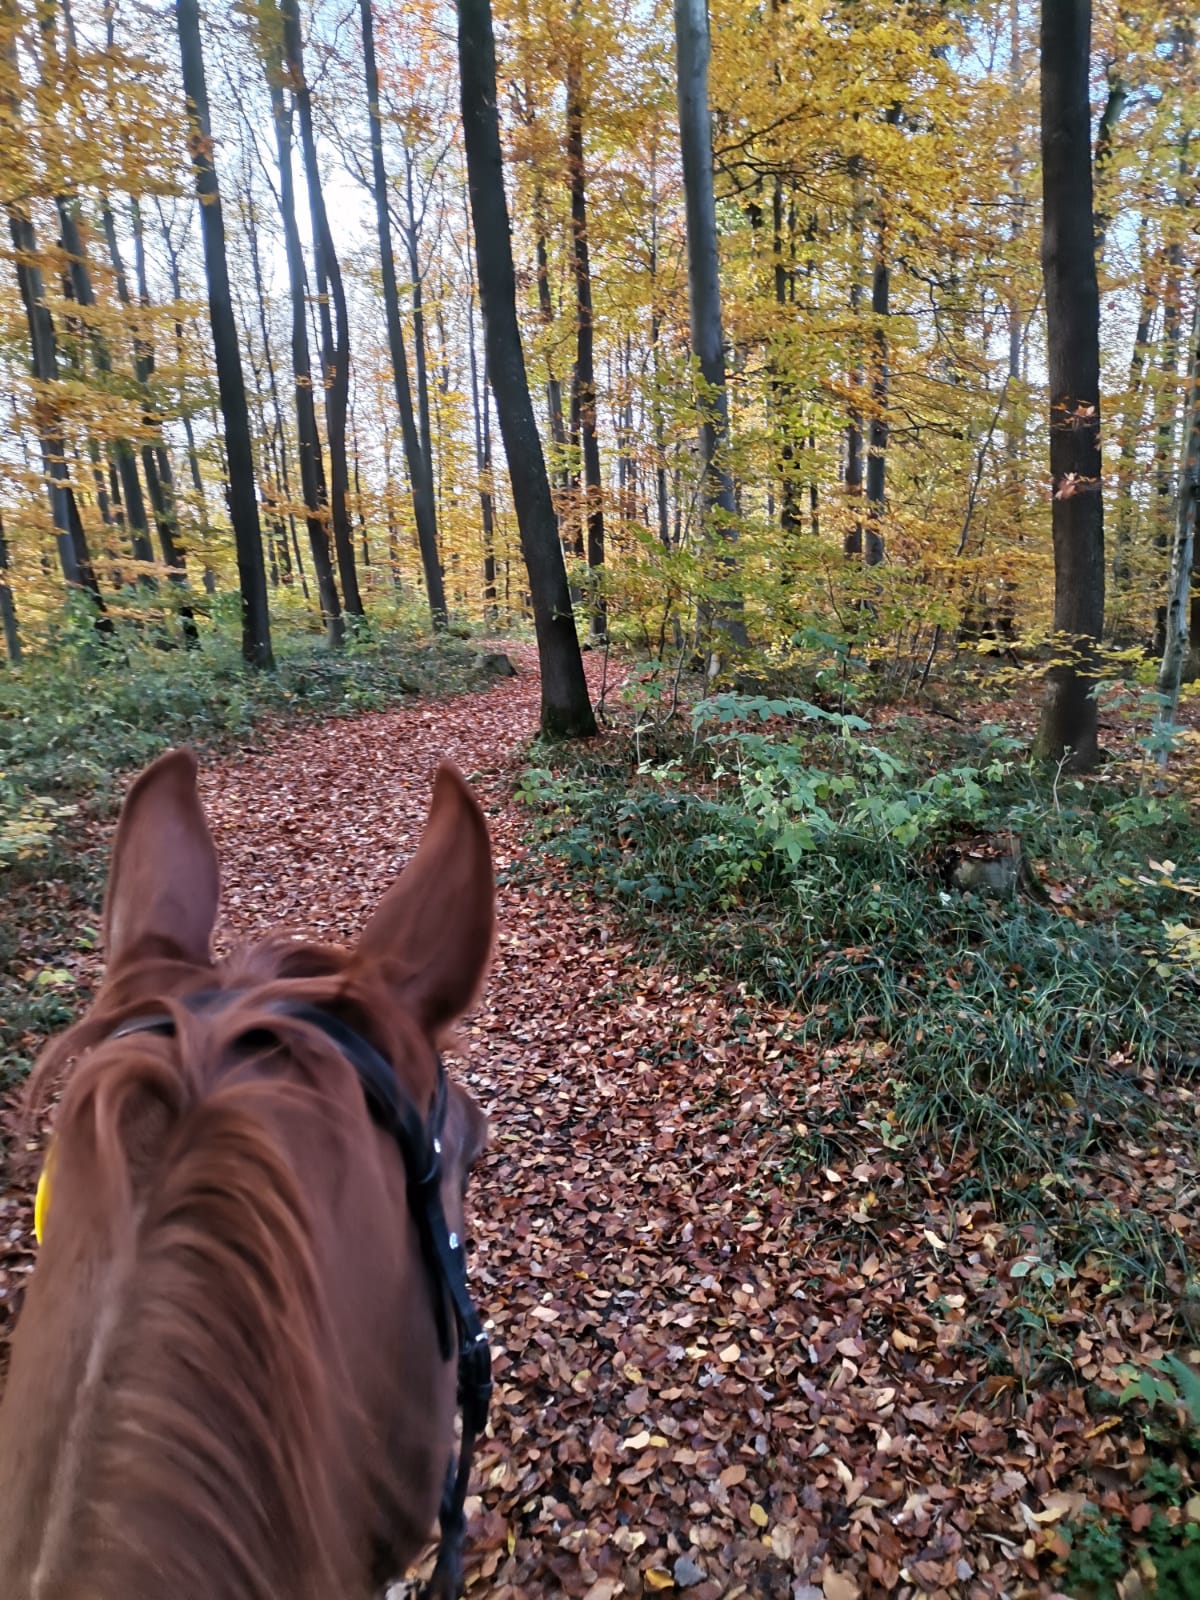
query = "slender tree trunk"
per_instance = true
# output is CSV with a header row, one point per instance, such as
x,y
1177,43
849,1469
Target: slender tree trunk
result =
x,y
852,544
1131,426
73,554
419,466
85,297
658,424
483,450
185,410
583,399
412,230
358,494
487,507
278,435
1167,407
157,455
308,443
880,382
554,403
8,610
155,462
566,704
273,435
1073,351
1114,105
554,399
335,345
1178,651
878,438
692,50
782,396
243,503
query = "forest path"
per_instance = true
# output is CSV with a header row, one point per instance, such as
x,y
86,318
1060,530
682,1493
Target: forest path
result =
x,y
718,1367
711,1370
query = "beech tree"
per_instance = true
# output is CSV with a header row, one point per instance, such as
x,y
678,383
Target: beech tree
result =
x,y
1069,714
1179,644
566,705
243,502
869,282
692,48
584,434
420,468
312,459
335,322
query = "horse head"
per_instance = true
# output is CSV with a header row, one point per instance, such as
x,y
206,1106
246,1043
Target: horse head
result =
x,y
235,1371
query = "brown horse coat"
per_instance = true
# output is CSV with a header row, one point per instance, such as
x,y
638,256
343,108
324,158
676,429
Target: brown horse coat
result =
x,y
226,1381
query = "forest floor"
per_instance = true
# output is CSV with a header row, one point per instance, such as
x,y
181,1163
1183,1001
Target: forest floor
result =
x,y
716,1370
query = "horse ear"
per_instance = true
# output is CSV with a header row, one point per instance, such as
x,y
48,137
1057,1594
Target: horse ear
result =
x,y
164,881
432,932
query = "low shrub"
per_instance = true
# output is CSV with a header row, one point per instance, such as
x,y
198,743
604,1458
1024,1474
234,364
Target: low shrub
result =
x,y
788,846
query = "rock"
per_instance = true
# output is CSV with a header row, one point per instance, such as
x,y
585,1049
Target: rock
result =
x,y
498,664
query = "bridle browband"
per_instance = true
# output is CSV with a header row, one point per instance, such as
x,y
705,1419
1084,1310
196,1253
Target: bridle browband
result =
x,y
420,1144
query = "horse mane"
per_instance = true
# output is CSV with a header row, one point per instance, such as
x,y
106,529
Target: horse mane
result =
x,y
205,1420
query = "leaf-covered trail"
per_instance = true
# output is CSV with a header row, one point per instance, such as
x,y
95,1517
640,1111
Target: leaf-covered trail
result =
x,y
716,1369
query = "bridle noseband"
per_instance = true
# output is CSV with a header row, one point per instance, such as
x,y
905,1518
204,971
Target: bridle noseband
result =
x,y
420,1144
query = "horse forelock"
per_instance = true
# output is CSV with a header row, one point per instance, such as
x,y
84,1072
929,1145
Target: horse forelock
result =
x,y
206,1438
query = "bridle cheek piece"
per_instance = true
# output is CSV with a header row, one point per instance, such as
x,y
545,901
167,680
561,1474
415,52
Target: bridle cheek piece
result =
x,y
420,1145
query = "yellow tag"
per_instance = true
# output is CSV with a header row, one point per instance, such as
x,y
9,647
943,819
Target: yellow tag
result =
x,y
41,1202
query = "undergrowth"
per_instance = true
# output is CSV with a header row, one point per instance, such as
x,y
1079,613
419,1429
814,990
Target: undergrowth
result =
x,y
78,718
1030,1025
1039,1031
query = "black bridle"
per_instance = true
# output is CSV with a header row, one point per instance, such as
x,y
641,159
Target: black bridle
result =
x,y
420,1143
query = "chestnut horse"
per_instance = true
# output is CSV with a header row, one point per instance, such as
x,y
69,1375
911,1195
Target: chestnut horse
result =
x,y
233,1377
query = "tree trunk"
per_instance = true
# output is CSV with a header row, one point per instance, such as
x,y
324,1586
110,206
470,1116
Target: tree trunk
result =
x,y
420,469
1073,354
127,500
416,285
8,610
483,450
277,434
193,454
878,438
554,404
566,705
335,345
85,297
783,399
583,397
1167,409
364,544
852,543
308,443
243,503
657,421
73,554
1131,424
1167,395
1176,655
155,463
692,49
